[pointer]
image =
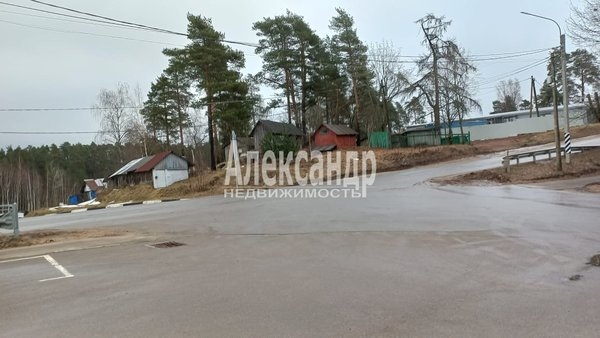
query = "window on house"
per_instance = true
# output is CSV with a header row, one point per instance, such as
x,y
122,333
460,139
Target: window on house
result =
x,y
324,131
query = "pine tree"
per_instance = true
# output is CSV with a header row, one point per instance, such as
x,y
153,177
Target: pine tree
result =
x,y
352,53
213,68
583,69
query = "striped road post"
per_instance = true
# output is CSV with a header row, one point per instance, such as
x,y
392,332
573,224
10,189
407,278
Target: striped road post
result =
x,y
568,146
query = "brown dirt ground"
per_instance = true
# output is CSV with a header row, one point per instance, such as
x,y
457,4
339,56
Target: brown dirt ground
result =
x,y
53,236
526,140
212,183
594,187
582,164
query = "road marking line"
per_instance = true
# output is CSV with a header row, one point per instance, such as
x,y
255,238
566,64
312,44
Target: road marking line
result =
x,y
20,259
55,278
52,261
58,267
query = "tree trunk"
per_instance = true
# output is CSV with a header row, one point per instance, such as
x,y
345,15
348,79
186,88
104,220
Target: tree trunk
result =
x,y
303,98
582,87
356,110
211,141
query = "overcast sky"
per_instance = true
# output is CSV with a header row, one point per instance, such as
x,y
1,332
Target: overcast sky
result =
x,y
41,68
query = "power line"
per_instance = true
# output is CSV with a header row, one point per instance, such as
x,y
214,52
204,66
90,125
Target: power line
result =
x,y
494,87
61,109
62,14
202,104
510,56
128,23
51,132
133,24
508,53
85,22
87,33
533,51
513,72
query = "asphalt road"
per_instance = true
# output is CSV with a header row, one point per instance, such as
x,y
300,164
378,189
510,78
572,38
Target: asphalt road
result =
x,y
411,259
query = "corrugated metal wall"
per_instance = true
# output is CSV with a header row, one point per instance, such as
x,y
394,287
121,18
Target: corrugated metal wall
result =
x,y
172,162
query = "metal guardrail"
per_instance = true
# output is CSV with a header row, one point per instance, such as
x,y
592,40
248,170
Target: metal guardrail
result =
x,y
506,159
9,218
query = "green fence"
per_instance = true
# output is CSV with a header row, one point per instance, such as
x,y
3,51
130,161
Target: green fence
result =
x,y
429,138
379,139
457,139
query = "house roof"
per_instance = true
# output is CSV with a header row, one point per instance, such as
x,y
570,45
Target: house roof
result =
x,y
94,184
327,147
131,166
142,165
152,162
278,128
339,129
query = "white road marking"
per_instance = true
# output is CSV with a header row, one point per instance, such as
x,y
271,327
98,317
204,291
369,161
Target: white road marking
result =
x,y
52,261
58,267
20,259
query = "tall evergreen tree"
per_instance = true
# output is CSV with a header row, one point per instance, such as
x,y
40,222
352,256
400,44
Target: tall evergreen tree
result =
x,y
213,68
330,87
159,113
352,53
289,48
180,96
583,69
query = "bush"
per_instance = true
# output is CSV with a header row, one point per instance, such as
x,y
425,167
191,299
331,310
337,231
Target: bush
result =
x,y
277,143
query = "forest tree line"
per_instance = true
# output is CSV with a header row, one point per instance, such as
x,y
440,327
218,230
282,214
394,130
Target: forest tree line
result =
x,y
203,95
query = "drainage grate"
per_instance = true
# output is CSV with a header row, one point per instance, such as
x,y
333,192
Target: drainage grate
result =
x,y
164,245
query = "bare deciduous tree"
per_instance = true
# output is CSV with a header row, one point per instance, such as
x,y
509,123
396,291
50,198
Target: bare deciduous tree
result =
x,y
138,133
584,23
509,95
428,84
114,109
390,76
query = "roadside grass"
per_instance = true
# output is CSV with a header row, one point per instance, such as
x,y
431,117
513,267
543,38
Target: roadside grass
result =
x,y
40,237
583,164
206,183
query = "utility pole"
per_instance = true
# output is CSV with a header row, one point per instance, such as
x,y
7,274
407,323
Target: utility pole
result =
x,y
556,127
531,98
537,109
563,60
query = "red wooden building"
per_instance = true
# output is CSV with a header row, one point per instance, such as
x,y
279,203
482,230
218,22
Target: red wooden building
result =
x,y
331,136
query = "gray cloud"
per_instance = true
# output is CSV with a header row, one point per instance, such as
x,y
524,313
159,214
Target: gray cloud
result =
x,y
41,68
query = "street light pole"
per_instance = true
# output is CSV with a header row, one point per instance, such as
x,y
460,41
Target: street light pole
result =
x,y
563,60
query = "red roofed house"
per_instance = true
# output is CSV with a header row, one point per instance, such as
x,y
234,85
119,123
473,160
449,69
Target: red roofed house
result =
x,y
162,170
331,136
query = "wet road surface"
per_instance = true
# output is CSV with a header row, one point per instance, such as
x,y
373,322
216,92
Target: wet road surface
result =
x,y
411,259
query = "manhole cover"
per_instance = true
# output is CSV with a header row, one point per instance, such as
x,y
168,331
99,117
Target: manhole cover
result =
x,y
164,245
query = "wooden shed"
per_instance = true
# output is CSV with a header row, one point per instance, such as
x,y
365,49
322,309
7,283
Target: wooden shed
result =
x,y
266,127
340,136
162,170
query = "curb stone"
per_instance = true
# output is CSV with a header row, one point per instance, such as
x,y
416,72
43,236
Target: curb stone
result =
x,y
117,205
